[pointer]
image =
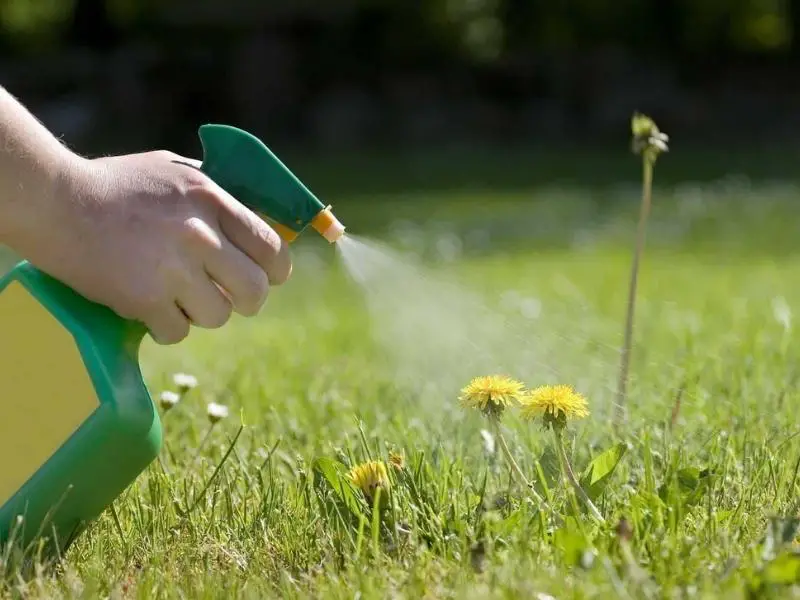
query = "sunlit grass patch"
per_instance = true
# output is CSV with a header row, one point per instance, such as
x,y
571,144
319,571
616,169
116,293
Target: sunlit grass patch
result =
x,y
697,494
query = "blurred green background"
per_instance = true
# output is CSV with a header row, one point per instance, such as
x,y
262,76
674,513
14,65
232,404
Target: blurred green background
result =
x,y
393,109
409,78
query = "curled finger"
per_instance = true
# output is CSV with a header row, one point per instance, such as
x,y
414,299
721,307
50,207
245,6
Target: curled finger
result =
x,y
204,303
253,236
244,281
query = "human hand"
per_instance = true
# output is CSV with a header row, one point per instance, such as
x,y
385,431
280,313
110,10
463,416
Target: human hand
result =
x,y
156,240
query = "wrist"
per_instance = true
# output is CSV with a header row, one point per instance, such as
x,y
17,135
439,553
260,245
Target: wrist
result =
x,y
34,217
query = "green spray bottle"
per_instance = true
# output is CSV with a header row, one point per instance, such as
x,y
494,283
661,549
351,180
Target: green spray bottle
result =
x,y
78,423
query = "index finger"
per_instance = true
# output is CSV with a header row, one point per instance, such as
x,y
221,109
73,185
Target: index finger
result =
x,y
253,236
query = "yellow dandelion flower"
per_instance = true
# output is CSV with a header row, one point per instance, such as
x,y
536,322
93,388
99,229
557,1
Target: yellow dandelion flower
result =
x,y
369,476
559,402
491,393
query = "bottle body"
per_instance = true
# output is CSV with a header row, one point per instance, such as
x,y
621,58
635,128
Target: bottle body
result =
x,y
79,424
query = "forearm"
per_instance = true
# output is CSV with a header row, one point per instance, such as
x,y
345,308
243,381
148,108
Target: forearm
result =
x,y
33,164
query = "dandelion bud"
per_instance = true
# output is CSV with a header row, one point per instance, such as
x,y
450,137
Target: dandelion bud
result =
x,y
647,138
397,460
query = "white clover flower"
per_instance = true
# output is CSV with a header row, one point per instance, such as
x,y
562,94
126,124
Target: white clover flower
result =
x,y
184,381
216,412
168,399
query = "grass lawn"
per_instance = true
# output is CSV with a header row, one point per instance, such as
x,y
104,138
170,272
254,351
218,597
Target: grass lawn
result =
x,y
700,505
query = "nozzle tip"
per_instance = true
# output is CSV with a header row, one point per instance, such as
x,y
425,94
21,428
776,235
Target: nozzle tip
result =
x,y
334,232
328,226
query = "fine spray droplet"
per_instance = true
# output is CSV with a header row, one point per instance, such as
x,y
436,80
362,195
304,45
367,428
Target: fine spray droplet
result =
x,y
437,331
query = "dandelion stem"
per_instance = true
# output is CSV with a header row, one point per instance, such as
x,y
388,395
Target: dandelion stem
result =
x,y
514,465
647,184
567,467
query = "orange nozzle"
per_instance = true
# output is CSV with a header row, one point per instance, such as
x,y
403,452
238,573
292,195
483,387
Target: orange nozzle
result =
x,y
327,225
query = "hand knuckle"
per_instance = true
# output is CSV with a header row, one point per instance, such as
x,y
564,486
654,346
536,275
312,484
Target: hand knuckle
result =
x,y
198,231
164,154
199,185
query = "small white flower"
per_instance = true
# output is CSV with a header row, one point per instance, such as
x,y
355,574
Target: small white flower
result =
x,y
168,399
217,412
184,381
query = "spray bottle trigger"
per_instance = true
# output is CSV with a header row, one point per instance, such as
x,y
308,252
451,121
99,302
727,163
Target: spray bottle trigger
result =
x,y
244,167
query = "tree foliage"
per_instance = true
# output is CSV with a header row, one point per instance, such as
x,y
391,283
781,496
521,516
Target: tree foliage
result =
x,y
477,30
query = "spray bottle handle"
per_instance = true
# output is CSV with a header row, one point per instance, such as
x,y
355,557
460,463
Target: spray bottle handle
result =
x,y
244,167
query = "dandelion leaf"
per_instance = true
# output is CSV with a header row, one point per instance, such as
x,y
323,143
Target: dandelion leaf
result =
x,y
597,474
333,473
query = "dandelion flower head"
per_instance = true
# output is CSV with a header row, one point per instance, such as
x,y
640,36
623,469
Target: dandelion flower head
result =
x,y
491,393
369,476
559,402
